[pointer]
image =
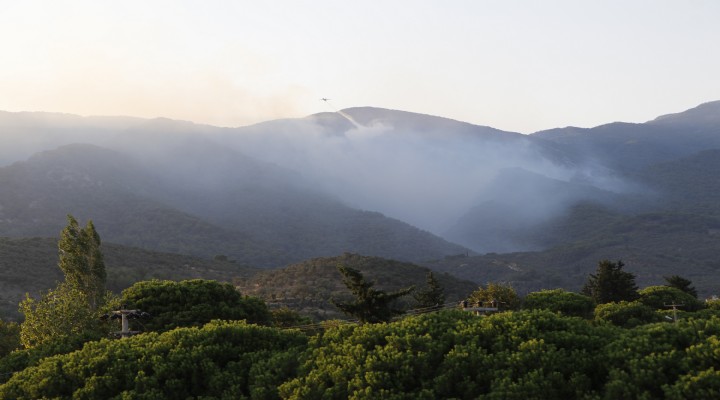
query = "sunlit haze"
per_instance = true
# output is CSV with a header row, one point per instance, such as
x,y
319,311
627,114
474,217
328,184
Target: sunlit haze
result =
x,y
515,65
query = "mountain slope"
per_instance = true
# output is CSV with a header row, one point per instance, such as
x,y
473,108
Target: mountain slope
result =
x,y
515,207
309,286
632,147
214,204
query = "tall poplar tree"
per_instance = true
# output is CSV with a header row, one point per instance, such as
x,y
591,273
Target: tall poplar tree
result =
x,y
81,260
73,306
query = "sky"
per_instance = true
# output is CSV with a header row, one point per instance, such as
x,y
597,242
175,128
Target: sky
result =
x,y
515,65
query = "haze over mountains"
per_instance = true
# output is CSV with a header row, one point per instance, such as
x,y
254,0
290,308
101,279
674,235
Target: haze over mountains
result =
x,y
371,181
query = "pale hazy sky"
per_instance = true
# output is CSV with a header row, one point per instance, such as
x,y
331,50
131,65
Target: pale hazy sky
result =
x,y
514,65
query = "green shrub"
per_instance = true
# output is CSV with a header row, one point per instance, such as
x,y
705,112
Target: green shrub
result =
x,y
660,297
192,303
559,300
626,314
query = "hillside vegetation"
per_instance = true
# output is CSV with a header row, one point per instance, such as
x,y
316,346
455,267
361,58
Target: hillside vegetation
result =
x,y
308,287
30,265
527,354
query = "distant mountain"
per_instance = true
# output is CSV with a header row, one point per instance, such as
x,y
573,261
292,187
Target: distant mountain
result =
x,y
377,182
214,203
94,183
515,204
421,169
632,147
308,286
690,184
652,246
26,133
703,118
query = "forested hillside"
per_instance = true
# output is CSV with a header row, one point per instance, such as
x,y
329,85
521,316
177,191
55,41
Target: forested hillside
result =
x,y
309,287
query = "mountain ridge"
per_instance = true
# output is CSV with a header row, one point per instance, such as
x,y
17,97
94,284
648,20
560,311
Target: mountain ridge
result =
x,y
288,190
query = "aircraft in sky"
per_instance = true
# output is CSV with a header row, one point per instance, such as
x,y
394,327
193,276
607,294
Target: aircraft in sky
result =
x,y
325,99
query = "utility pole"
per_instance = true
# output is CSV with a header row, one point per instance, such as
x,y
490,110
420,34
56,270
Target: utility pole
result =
x,y
674,308
125,316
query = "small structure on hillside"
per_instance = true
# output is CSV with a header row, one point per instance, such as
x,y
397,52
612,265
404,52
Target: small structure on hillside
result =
x,y
478,308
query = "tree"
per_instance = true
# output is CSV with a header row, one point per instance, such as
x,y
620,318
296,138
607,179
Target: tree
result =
x,y
681,283
433,295
559,300
221,360
626,314
75,304
611,283
60,312
192,302
370,305
660,297
503,295
82,261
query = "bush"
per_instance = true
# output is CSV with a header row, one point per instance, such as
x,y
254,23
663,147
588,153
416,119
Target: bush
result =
x,y
626,314
659,297
558,300
192,303
220,360
536,354
504,295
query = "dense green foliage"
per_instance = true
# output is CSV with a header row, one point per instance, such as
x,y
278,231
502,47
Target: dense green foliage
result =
x,y
64,311
369,304
9,337
450,354
713,304
504,296
662,297
559,300
20,359
610,283
191,303
221,360
454,355
74,306
81,261
626,314
677,361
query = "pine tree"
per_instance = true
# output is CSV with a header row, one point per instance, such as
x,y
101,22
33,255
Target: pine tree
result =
x,y
611,284
681,283
433,295
370,305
